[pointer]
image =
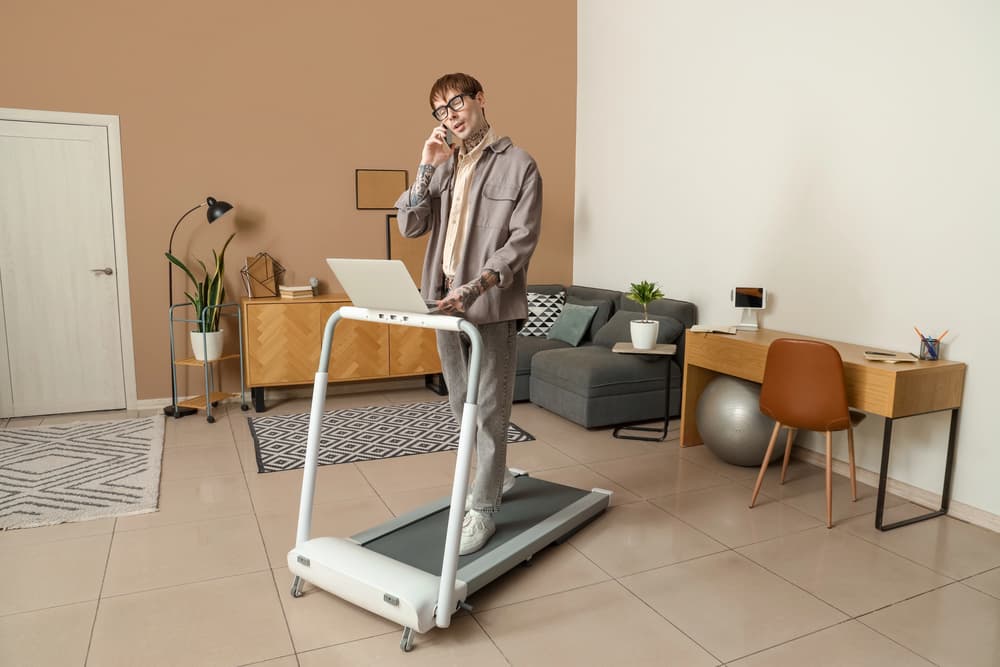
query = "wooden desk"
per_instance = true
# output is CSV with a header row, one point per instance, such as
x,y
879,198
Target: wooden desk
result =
x,y
891,391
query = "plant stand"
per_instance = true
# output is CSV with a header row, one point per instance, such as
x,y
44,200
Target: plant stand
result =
x,y
212,396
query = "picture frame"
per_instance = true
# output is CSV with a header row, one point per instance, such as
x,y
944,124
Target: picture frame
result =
x,y
378,189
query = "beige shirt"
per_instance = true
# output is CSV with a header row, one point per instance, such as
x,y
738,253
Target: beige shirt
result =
x,y
458,216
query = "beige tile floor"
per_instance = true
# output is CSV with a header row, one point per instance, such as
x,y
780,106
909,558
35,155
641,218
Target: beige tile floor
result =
x,y
678,571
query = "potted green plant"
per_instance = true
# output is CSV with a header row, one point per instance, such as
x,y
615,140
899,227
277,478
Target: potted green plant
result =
x,y
644,331
209,292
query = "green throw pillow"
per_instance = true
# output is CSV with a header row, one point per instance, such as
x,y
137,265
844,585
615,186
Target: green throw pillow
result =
x,y
572,323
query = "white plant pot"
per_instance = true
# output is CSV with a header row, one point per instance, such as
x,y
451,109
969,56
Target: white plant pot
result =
x,y
644,334
207,347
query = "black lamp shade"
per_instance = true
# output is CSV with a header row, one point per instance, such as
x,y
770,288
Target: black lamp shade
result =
x,y
217,209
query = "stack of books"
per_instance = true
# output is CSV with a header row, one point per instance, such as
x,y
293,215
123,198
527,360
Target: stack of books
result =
x,y
295,291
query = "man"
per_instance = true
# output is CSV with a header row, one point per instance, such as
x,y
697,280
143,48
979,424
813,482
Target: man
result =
x,y
480,199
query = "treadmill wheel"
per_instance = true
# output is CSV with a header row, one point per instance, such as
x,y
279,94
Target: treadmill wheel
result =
x,y
406,643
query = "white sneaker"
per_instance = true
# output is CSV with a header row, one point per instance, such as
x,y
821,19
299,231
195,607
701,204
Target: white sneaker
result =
x,y
508,484
477,529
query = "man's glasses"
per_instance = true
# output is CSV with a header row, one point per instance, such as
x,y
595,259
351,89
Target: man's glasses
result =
x,y
456,103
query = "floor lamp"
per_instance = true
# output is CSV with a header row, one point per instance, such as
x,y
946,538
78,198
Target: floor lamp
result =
x,y
216,209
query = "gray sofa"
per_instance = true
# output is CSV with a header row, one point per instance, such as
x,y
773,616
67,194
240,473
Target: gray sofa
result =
x,y
591,385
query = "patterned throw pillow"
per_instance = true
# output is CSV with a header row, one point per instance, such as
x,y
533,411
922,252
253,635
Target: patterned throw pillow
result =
x,y
543,311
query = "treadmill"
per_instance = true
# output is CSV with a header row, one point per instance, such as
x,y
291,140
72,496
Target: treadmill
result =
x,y
407,569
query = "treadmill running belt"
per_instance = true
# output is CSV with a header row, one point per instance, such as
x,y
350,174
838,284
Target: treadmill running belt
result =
x,y
421,544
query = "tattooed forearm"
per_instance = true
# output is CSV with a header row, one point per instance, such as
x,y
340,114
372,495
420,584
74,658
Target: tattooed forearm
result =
x,y
488,279
461,298
420,184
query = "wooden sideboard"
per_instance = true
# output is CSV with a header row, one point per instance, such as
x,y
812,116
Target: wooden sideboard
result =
x,y
282,338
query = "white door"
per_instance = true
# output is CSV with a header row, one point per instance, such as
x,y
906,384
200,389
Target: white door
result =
x,y
58,282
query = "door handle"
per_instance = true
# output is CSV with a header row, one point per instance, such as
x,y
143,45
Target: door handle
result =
x,y
106,270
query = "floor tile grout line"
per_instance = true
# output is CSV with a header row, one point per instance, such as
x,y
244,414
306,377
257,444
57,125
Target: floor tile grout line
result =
x,y
195,582
100,592
284,614
965,583
629,591
860,620
490,638
712,537
263,543
845,531
830,604
175,522
266,660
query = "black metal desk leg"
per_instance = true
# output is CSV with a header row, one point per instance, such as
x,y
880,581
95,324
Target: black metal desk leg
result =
x,y
883,477
617,433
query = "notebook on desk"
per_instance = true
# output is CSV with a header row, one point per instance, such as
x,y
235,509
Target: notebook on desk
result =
x,y
380,284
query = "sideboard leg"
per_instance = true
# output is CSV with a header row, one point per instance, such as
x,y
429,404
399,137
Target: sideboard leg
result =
x,y
257,394
435,382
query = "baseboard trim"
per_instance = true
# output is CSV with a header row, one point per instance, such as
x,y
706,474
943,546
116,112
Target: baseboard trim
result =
x,y
305,391
914,494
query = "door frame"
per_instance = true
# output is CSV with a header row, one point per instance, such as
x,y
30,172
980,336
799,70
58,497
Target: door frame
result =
x,y
111,124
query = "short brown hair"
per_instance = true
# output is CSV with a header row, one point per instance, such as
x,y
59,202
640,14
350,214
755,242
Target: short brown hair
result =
x,y
463,83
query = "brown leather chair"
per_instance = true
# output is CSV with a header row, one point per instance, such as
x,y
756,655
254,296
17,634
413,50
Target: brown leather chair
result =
x,y
804,389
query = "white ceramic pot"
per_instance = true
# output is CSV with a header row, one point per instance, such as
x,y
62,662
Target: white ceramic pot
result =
x,y
207,347
644,334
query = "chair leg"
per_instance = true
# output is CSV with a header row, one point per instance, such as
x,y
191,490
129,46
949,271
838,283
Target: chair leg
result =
x,y
788,452
763,466
850,454
829,479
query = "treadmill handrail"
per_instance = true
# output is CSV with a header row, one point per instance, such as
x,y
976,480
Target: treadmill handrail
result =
x,y
449,567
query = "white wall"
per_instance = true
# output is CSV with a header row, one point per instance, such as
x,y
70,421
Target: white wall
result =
x,y
846,155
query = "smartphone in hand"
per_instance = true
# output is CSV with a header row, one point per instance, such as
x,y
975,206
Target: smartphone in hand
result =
x,y
449,137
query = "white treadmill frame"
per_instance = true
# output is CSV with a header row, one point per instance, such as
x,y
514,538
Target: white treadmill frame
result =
x,y
415,599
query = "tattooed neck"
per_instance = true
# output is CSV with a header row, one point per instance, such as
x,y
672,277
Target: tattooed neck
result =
x,y
475,138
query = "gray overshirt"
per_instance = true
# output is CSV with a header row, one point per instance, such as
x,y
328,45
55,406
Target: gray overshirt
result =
x,y
504,221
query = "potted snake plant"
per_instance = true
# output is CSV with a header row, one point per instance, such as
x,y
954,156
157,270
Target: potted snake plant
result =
x,y
644,331
208,293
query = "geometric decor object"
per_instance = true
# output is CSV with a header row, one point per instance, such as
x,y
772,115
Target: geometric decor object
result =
x,y
79,471
543,311
361,434
262,275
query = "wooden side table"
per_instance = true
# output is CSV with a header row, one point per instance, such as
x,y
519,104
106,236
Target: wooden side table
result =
x,y
661,350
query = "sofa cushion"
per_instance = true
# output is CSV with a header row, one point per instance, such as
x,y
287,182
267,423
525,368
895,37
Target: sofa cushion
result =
x,y
594,370
604,309
618,328
543,311
527,346
573,323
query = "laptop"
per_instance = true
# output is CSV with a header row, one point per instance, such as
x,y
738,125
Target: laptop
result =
x,y
380,284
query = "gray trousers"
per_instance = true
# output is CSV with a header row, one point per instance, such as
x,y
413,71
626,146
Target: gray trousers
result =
x,y
496,393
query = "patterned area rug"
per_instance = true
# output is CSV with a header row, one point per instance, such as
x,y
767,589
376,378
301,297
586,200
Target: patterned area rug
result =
x,y
79,471
360,434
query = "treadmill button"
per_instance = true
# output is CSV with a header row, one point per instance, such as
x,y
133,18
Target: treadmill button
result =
x,y
391,599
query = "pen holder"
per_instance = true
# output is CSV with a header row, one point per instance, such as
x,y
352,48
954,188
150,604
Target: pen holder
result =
x,y
930,349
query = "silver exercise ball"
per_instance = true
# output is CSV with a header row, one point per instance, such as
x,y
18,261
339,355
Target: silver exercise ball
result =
x,y
731,424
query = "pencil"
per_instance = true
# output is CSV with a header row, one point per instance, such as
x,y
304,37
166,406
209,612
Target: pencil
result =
x,y
941,336
922,337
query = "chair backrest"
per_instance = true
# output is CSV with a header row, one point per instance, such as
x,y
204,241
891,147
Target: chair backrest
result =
x,y
804,385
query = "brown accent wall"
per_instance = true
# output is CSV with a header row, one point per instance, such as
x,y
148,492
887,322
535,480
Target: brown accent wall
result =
x,y
272,106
